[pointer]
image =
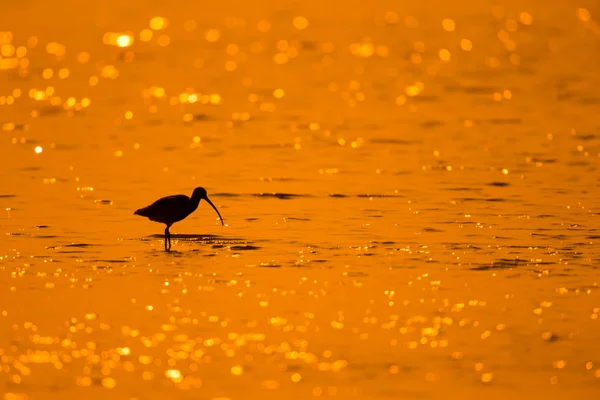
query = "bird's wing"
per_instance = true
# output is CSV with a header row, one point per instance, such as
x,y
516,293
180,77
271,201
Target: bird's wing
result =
x,y
175,201
166,209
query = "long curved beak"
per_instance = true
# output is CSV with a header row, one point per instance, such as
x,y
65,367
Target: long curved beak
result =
x,y
213,206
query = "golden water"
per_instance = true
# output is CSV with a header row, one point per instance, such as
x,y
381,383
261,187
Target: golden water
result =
x,y
410,193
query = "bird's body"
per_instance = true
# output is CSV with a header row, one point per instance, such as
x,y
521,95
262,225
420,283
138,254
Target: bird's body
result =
x,y
171,209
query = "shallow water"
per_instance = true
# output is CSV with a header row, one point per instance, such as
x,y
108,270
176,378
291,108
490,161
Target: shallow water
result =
x,y
410,196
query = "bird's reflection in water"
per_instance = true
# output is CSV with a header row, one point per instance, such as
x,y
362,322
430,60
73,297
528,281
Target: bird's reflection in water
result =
x,y
198,242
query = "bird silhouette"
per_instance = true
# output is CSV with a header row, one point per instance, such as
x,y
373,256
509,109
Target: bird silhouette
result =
x,y
171,209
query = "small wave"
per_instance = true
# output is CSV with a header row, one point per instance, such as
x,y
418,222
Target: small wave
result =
x,y
394,141
460,246
587,137
505,121
491,199
244,247
434,123
367,195
225,194
502,263
432,230
280,196
589,100
355,274
473,89
261,146
203,117
269,265
543,235
462,189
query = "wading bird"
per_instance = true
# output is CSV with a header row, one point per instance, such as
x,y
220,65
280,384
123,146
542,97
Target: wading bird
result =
x,y
171,209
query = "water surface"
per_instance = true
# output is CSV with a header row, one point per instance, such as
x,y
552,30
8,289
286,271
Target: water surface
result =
x,y
410,193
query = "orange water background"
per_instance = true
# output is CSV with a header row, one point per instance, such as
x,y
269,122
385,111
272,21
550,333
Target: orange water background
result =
x,y
410,192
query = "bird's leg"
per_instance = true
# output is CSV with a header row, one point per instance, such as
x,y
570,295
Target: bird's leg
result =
x,y
167,239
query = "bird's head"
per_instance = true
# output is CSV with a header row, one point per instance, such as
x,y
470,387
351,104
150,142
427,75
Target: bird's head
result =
x,y
200,194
